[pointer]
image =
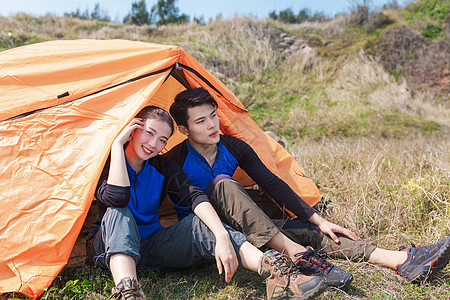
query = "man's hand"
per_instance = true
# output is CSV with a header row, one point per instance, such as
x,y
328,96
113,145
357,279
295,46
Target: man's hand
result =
x,y
330,228
226,258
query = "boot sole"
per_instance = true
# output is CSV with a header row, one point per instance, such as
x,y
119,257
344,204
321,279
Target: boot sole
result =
x,y
346,283
311,294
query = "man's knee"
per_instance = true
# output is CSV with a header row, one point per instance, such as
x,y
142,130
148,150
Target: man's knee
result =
x,y
219,179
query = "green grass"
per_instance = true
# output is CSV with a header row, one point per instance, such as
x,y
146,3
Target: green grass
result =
x,y
430,14
203,282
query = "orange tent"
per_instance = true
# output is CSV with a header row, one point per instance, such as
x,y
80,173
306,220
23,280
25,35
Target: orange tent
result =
x,y
61,105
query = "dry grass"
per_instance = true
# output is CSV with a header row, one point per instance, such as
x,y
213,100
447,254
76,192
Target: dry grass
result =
x,y
387,191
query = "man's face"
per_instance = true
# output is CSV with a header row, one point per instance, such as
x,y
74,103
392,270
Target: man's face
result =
x,y
203,125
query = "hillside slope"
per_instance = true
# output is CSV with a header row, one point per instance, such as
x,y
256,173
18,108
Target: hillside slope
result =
x,y
339,77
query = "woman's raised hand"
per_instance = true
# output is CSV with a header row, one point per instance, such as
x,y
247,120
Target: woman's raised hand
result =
x,y
125,135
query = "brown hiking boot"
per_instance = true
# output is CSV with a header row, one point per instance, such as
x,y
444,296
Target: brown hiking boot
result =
x,y
128,289
285,281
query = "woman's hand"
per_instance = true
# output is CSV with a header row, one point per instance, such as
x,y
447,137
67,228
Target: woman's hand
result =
x,y
118,174
125,135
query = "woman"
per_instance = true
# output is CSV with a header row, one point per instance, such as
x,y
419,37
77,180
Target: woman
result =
x,y
129,234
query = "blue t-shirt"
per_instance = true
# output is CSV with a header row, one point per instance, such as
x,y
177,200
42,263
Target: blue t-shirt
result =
x,y
160,176
201,173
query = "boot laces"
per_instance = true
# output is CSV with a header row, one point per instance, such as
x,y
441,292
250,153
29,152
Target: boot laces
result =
x,y
286,267
316,257
404,247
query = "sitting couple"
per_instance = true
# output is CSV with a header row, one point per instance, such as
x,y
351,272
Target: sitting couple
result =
x,y
218,220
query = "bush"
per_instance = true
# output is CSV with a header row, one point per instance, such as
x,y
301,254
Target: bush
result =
x,y
429,16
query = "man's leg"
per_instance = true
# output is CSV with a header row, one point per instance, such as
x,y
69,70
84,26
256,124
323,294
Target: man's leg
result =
x,y
415,264
235,208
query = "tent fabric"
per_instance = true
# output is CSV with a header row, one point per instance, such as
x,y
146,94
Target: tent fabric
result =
x,y
61,105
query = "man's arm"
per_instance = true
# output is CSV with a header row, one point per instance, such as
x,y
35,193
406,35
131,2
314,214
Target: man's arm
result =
x,y
330,228
269,182
279,190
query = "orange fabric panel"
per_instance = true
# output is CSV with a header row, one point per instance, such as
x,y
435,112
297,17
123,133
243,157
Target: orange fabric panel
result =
x,y
50,163
31,79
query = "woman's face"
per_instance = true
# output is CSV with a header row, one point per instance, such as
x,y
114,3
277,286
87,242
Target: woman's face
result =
x,y
151,140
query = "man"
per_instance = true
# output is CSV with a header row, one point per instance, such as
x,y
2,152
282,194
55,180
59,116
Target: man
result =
x,y
210,160
129,235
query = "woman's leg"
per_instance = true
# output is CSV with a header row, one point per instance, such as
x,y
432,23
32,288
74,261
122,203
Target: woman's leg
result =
x,y
116,244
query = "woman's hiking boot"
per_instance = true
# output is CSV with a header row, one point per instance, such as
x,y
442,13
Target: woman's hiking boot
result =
x,y
314,262
285,281
424,260
127,289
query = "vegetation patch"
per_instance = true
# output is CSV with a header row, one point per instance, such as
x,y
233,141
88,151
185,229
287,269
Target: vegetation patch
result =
x,y
428,16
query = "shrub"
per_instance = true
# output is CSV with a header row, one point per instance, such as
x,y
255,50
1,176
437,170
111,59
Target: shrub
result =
x,y
428,15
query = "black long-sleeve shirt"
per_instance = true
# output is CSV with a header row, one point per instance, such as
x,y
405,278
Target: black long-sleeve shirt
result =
x,y
231,153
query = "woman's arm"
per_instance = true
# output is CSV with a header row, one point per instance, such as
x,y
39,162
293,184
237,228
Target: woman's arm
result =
x,y
113,189
118,174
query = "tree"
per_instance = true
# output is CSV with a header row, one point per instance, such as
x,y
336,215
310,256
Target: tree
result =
x,y
273,15
139,14
99,14
167,12
303,15
96,14
287,16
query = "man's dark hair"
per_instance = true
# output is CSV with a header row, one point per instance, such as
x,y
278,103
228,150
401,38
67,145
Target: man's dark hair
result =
x,y
187,99
154,112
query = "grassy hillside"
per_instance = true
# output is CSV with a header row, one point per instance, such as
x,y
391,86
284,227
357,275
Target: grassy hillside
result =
x,y
361,101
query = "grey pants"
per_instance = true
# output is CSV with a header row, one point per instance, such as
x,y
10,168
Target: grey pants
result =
x,y
235,208
183,244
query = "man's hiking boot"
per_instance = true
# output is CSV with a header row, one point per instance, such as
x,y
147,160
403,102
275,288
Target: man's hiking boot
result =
x,y
424,260
127,289
285,281
314,262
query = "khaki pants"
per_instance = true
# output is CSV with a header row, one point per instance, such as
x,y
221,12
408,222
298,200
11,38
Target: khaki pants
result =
x,y
235,207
